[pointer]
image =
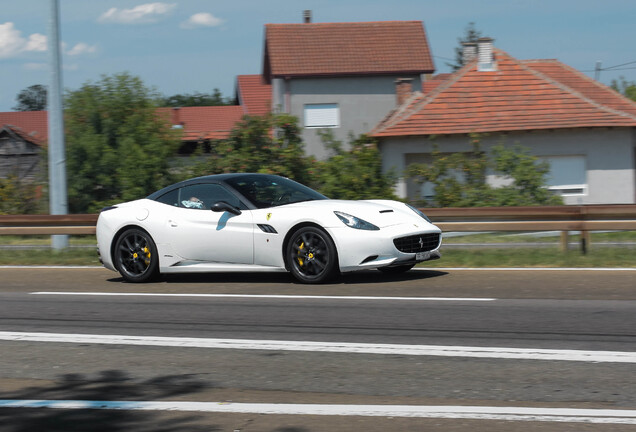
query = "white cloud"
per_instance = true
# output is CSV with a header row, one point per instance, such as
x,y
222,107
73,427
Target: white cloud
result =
x,y
12,43
142,14
82,48
202,19
37,42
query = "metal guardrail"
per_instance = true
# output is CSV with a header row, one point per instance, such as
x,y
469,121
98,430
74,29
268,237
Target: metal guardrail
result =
x,y
76,224
474,219
549,218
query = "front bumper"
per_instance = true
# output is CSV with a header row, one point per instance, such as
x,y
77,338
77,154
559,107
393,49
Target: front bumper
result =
x,y
359,249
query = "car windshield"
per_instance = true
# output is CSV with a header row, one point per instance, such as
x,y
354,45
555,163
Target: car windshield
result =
x,y
265,191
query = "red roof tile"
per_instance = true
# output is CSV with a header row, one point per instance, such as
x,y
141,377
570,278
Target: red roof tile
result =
x,y
254,95
31,125
208,122
583,84
318,49
514,97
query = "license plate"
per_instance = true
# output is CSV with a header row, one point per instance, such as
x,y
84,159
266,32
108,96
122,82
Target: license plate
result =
x,y
421,256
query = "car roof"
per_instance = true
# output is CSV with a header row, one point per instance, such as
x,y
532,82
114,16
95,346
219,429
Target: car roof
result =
x,y
215,178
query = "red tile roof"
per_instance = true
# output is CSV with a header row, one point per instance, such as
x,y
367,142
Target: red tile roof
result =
x,y
583,84
208,122
254,94
514,97
31,125
318,49
215,122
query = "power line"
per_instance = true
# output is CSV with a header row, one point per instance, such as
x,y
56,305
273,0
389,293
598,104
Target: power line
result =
x,y
624,64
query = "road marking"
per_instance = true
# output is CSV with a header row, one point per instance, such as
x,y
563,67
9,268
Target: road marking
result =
x,y
333,347
610,269
420,411
265,296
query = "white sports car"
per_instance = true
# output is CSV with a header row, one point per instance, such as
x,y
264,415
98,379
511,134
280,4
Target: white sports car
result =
x,y
259,222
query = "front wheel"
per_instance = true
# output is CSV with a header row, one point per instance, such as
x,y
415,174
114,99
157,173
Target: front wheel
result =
x,y
135,256
312,256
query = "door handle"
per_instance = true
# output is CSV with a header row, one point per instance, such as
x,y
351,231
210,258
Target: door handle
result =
x,y
173,223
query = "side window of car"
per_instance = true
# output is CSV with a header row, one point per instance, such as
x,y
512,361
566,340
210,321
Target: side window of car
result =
x,y
204,196
171,198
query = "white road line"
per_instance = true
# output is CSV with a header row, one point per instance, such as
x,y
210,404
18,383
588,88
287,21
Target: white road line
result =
x,y
419,411
260,296
611,269
333,347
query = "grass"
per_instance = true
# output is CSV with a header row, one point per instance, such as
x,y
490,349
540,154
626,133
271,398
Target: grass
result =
x,y
609,257
466,256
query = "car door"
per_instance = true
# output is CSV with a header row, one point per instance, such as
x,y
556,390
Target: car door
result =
x,y
198,233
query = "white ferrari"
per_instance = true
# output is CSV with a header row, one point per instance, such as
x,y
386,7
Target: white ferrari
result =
x,y
260,222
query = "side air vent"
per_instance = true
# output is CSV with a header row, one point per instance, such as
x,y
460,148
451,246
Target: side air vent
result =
x,y
386,211
267,228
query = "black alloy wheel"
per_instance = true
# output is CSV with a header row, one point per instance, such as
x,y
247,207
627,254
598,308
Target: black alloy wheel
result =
x,y
312,256
135,256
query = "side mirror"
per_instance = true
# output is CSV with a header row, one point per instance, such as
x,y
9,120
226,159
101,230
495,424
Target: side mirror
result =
x,y
223,206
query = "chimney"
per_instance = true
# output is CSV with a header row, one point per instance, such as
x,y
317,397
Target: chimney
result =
x,y
176,118
403,89
469,52
307,16
486,58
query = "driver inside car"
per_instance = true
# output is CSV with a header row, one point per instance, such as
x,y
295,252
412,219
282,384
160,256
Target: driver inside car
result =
x,y
193,202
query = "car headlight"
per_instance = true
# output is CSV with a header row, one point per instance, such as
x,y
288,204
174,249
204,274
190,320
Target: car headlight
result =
x,y
354,222
419,213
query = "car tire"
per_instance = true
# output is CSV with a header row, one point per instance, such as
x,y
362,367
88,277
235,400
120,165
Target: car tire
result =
x,y
312,256
135,256
396,269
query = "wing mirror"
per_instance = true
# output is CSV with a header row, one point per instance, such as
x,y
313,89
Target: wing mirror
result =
x,y
223,206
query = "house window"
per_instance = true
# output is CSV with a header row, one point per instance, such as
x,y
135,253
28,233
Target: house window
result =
x,y
567,175
322,116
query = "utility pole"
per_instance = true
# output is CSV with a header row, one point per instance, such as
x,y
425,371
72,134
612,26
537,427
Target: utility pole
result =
x,y
597,71
58,202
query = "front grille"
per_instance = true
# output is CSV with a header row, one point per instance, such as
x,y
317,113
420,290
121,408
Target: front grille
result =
x,y
417,243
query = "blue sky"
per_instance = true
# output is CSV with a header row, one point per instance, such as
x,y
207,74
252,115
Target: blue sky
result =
x,y
187,46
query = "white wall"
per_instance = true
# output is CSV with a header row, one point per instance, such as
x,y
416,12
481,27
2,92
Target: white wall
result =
x,y
363,101
609,157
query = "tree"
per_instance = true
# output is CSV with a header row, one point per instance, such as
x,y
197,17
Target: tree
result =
x,y
471,34
269,144
195,99
624,87
353,174
32,98
118,148
460,179
19,197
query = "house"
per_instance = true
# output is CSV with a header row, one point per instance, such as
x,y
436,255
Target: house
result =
x,y
583,129
202,125
21,142
341,76
253,94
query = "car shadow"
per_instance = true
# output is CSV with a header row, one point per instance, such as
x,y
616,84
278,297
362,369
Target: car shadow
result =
x,y
108,385
365,277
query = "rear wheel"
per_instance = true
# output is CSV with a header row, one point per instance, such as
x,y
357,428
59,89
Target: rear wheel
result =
x,y
312,256
135,256
396,269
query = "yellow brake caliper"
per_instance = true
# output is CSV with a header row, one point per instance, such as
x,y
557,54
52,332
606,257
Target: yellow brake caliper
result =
x,y
147,252
301,247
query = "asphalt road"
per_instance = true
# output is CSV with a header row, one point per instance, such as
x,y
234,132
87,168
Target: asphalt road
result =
x,y
128,356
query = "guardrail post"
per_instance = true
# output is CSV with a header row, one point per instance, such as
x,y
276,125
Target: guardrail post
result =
x,y
564,241
585,241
